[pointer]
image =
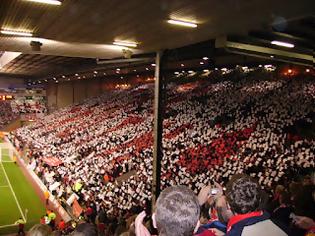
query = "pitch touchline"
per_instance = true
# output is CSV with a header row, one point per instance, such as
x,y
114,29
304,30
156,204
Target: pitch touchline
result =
x,y
17,203
4,186
4,226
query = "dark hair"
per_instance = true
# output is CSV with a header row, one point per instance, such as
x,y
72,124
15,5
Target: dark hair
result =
x,y
285,197
243,194
177,211
40,230
85,229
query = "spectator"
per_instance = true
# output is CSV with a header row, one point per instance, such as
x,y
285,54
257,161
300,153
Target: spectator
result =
x,y
244,197
21,223
85,229
40,230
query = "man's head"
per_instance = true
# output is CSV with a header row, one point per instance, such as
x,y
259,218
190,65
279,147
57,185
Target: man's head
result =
x,y
244,195
85,229
40,230
177,211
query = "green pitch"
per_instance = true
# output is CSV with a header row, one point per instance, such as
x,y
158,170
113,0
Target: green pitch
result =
x,y
17,198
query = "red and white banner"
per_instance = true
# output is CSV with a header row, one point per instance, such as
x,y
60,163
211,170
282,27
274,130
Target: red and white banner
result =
x,y
52,161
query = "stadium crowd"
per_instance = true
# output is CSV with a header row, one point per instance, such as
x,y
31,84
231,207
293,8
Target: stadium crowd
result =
x,y
6,114
214,128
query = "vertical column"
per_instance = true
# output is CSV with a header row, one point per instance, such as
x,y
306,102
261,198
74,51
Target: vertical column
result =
x,y
159,98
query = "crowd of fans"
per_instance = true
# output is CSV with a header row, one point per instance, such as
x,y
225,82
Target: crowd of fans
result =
x,y
259,124
6,114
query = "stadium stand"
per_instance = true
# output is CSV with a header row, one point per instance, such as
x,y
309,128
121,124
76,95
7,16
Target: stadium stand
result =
x,y
215,127
6,114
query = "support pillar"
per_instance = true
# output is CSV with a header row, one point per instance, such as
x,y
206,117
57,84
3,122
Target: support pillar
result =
x,y
159,102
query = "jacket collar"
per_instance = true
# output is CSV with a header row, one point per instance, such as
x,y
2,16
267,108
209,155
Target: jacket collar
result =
x,y
236,219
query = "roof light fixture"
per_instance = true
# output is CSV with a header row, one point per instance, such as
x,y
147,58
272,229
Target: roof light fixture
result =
x,y
125,44
16,32
282,44
51,2
182,23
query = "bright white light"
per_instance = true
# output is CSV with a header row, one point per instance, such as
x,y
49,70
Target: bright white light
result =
x,y
17,33
76,75
190,71
205,58
51,2
63,76
95,72
126,44
282,44
176,73
147,68
260,65
153,64
224,69
118,69
272,56
205,71
307,70
183,23
201,63
182,65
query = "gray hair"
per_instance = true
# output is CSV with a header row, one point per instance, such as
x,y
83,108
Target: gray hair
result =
x,y
177,211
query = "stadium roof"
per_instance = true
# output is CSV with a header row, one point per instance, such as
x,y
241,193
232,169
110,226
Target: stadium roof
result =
x,y
87,29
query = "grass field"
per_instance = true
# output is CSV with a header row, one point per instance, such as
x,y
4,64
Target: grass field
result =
x,y
16,195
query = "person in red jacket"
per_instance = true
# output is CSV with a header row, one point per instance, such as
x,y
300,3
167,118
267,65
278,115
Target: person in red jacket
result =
x,y
20,222
62,225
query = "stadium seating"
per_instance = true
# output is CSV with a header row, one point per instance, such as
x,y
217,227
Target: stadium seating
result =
x,y
6,114
213,129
